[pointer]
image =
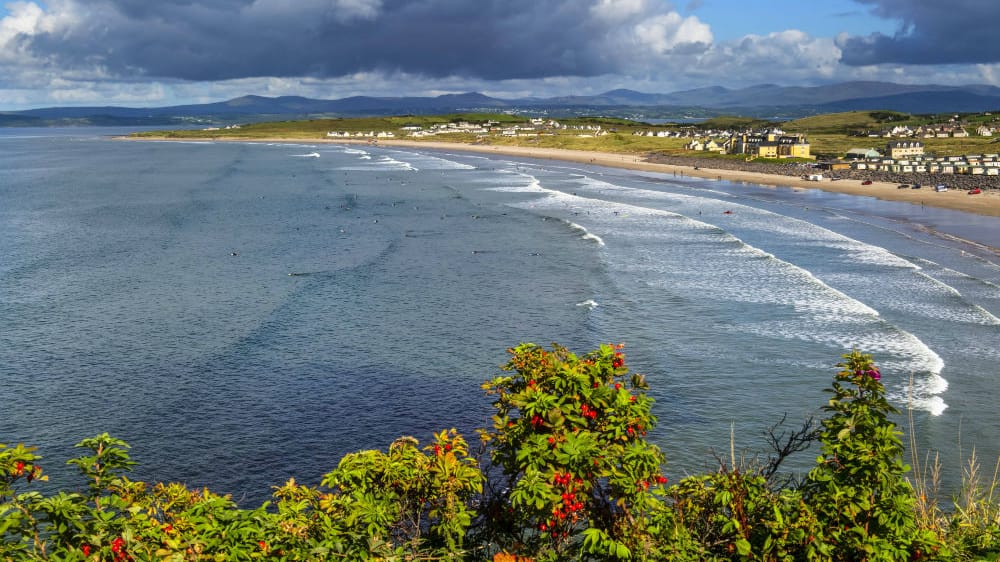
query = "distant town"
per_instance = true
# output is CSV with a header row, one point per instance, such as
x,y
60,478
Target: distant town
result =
x,y
902,154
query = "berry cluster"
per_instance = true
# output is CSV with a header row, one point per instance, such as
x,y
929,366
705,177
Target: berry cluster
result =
x,y
569,508
118,549
29,472
618,361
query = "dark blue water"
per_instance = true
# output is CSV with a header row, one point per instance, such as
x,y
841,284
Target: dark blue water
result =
x,y
245,313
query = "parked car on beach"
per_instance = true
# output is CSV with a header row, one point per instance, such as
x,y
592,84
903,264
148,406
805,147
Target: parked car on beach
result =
x,y
866,182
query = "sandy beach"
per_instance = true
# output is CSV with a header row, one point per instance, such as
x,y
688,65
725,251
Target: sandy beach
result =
x,y
986,203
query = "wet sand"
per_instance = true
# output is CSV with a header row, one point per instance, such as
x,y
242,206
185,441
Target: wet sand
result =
x,y
986,203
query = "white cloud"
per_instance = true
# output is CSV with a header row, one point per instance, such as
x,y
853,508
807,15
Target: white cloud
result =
x,y
666,32
132,52
618,10
786,57
24,19
989,73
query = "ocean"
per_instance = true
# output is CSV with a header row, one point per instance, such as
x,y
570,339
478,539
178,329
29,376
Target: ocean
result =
x,y
246,313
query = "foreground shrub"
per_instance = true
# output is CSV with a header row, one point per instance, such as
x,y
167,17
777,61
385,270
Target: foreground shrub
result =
x,y
733,514
569,476
392,499
857,490
568,439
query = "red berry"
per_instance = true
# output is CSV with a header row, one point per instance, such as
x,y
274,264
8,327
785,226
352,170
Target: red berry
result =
x,y
86,549
19,469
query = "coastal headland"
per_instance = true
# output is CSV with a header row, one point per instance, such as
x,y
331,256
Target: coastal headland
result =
x,y
985,203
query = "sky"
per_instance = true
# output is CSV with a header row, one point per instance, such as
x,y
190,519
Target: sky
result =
x,y
150,53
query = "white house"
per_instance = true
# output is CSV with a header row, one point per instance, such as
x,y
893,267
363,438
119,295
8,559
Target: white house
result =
x,y
862,154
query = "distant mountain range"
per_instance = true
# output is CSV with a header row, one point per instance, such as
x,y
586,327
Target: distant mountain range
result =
x,y
764,100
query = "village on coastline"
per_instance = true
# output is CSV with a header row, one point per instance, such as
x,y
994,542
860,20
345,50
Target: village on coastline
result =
x,y
902,159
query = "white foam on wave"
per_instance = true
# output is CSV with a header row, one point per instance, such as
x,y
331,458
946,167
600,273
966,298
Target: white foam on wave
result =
x,y
533,185
589,304
310,155
361,154
429,162
765,221
754,262
921,394
383,163
919,294
899,354
587,235
686,254
897,295
823,314
390,162
529,184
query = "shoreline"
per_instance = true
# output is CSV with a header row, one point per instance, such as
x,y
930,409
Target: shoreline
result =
x,y
987,203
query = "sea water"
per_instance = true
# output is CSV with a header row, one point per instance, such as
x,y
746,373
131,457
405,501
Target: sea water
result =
x,y
245,313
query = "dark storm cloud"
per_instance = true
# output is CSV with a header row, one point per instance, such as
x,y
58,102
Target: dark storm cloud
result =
x,y
225,39
931,32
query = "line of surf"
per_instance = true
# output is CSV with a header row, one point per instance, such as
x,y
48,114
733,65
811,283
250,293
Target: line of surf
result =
x,y
905,343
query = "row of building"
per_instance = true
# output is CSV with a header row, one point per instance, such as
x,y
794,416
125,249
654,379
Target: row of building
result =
x,y
532,127
900,156
931,132
908,157
769,144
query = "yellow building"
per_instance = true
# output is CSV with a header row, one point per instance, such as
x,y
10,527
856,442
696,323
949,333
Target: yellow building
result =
x,y
771,146
901,150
